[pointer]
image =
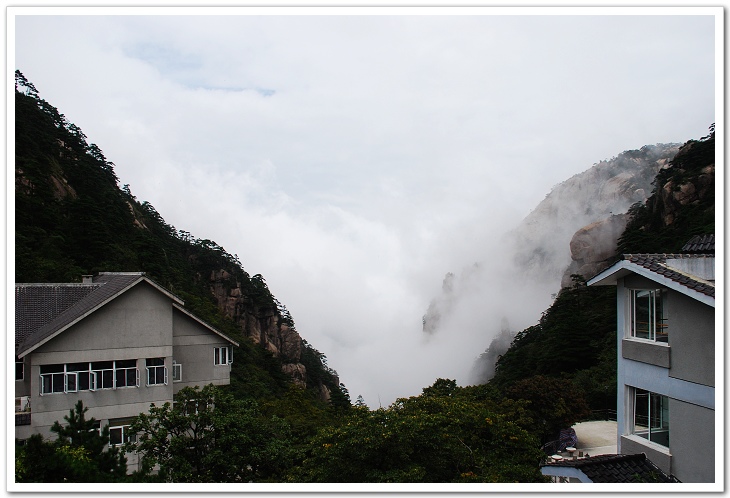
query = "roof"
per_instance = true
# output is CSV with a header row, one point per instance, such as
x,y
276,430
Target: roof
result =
x,y
700,244
45,310
670,270
610,469
204,324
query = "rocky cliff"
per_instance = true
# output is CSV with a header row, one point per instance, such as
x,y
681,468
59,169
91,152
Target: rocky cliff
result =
x,y
263,325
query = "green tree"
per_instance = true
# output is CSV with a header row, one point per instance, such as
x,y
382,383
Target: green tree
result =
x,y
208,436
79,454
444,435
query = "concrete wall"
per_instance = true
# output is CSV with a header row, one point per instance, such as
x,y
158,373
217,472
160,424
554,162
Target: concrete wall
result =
x,y
652,353
193,346
692,433
661,456
692,338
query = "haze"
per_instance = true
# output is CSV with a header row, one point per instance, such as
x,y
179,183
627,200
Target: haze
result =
x,y
354,160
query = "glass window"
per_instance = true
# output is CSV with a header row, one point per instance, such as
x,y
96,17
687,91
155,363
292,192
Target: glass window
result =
x,y
648,318
176,371
222,356
126,373
651,416
19,369
156,371
120,435
53,379
104,374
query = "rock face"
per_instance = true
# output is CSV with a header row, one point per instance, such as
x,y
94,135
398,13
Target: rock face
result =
x,y
592,246
262,325
608,188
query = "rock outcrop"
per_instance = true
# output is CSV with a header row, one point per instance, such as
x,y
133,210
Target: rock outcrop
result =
x,y
593,246
263,325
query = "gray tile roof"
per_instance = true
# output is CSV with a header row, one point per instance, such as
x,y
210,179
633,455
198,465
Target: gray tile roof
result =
x,y
44,309
38,304
700,244
656,263
617,469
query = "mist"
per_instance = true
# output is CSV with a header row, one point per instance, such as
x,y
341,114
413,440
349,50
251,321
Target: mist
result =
x,y
355,160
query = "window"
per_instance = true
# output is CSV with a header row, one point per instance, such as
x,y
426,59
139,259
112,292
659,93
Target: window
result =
x,y
53,379
176,371
223,355
19,369
126,373
103,373
120,434
156,372
89,376
648,317
651,416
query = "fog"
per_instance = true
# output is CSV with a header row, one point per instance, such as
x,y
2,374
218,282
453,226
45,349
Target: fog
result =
x,y
354,160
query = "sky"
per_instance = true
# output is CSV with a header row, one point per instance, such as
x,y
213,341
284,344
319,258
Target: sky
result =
x,y
353,157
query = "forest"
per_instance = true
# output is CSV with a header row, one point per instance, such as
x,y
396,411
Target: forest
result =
x,y
73,218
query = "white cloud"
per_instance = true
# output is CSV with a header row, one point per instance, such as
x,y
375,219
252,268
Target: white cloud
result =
x,y
353,161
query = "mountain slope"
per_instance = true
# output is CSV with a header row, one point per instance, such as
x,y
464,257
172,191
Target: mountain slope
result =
x,y
71,218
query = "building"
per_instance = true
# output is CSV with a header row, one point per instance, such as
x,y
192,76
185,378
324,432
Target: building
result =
x,y
666,360
605,469
117,341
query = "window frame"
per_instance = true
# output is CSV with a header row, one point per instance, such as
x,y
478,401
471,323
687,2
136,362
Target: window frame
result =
x,y
217,357
20,362
656,327
71,376
157,372
126,435
654,409
176,367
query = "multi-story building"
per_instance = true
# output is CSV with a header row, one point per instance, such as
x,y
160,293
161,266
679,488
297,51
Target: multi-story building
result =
x,y
666,360
117,341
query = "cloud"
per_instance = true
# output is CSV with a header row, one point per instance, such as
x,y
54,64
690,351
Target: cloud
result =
x,y
354,160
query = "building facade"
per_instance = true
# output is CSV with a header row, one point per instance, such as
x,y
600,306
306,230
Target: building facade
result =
x,y
117,341
666,360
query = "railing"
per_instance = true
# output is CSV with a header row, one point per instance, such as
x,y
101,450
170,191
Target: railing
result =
x,y
22,419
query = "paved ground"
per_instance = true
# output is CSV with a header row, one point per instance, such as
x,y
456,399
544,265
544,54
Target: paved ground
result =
x,y
597,437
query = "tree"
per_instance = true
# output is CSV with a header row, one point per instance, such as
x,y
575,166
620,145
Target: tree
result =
x,y
79,454
208,436
444,435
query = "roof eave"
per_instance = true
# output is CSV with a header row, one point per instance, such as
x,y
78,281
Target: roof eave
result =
x,y
623,268
204,324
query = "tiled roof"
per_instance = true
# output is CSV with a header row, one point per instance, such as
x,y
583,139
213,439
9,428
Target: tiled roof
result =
x,y
38,304
43,310
37,318
617,469
700,244
657,264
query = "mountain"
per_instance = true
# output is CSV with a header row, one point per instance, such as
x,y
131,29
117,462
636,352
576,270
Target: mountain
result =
x,y
572,230
575,338
72,218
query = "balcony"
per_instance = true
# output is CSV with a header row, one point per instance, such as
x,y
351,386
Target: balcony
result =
x,y
22,410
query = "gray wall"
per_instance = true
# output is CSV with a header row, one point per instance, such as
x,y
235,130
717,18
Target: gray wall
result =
x,y
693,350
694,457
193,348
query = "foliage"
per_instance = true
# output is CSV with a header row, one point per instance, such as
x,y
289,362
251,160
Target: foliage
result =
x,y
208,436
648,231
79,454
553,403
445,435
569,338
